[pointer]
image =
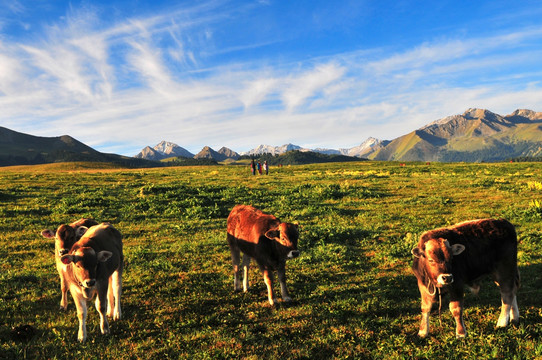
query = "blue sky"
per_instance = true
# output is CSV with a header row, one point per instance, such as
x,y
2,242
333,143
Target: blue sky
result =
x,y
121,75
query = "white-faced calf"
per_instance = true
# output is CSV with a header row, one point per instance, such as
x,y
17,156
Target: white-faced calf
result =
x,y
267,240
447,259
94,266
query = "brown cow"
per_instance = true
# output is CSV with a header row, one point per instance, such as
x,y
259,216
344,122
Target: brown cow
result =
x,y
94,267
65,237
267,240
448,258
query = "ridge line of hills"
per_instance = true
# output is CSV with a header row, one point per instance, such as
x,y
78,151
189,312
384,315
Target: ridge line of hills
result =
x,y
474,136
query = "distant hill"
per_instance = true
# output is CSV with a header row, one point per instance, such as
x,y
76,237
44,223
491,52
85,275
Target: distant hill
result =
x,y
228,153
297,157
209,153
184,161
476,135
23,149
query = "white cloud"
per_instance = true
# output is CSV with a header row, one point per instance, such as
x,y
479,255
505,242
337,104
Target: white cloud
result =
x,y
302,87
257,90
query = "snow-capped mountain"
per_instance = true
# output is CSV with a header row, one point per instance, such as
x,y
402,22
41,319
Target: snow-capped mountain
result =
x,y
274,150
163,150
365,148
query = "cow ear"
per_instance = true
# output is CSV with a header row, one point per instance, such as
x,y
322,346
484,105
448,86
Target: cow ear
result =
x,y
81,230
49,234
417,252
457,249
273,234
67,259
103,256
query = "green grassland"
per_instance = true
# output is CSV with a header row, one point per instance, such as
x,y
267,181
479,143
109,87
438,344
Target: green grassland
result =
x,y
355,296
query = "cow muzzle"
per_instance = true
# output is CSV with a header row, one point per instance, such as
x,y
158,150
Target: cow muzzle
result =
x,y
293,254
445,279
89,283
88,288
63,252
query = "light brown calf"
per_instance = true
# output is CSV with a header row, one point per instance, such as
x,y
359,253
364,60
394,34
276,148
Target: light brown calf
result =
x,y
94,267
65,236
267,240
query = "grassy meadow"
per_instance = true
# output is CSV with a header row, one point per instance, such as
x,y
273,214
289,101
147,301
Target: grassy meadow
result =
x,y
355,296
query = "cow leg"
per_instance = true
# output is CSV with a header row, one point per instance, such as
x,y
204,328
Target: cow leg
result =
x,y
456,308
101,306
117,292
514,312
509,308
64,291
268,279
113,294
81,305
110,297
246,267
282,280
427,304
236,259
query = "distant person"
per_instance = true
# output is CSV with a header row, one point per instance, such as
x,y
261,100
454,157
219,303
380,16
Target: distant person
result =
x,y
259,168
253,167
265,168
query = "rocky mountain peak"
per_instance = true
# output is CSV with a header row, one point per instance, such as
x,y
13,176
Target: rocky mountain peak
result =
x,y
229,153
474,113
524,114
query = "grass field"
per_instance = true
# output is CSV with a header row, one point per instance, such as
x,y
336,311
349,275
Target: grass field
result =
x,y
355,296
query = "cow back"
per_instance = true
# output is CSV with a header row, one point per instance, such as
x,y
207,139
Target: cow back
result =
x,y
488,243
249,224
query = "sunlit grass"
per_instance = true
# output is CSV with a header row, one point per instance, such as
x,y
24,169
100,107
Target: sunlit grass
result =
x,y
355,296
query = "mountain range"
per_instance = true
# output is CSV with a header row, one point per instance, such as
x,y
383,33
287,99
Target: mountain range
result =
x,y
167,149
476,135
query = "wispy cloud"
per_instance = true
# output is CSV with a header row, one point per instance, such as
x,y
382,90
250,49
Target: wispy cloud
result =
x,y
310,84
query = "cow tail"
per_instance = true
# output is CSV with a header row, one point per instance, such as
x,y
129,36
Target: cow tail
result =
x,y
517,280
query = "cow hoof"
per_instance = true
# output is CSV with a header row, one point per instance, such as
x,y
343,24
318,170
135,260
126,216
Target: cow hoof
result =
x,y
460,336
287,299
422,334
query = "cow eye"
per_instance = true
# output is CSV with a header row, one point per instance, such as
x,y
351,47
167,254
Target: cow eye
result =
x,y
431,261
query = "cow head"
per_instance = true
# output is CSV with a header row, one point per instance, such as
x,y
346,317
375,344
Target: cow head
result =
x,y
65,237
286,234
436,257
85,264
